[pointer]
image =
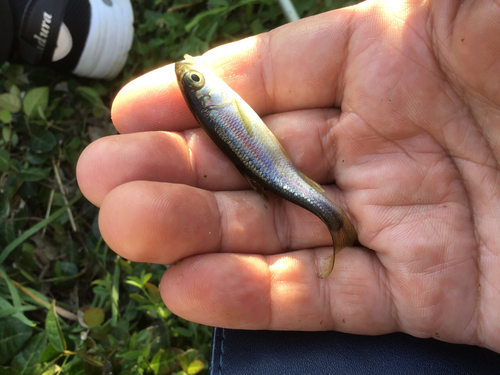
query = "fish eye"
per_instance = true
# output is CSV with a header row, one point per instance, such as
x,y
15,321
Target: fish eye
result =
x,y
194,80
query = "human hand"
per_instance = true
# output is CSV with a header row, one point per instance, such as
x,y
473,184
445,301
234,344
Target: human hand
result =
x,y
413,150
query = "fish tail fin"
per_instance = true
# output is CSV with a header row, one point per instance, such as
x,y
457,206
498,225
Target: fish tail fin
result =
x,y
341,237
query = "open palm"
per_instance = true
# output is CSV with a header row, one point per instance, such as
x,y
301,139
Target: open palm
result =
x,y
394,109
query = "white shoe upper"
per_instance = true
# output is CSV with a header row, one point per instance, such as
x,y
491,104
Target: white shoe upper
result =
x,y
108,42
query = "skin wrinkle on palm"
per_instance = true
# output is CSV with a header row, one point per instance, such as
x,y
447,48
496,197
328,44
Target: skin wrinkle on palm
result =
x,y
415,157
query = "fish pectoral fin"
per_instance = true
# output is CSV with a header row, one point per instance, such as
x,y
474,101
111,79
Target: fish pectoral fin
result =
x,y
313,183
247,123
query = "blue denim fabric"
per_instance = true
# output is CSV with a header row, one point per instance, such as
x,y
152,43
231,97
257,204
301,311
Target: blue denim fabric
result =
x,y
274,352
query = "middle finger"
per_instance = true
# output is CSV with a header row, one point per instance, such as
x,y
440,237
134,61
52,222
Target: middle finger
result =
x,y
191,158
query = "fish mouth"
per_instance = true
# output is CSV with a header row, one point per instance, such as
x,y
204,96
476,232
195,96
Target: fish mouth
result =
x,y
181,68
184,66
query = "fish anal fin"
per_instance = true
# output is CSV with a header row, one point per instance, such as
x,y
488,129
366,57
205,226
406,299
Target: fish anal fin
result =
x,y
313,183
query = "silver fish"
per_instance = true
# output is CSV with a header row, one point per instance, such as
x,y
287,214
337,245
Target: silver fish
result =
x,y
244,138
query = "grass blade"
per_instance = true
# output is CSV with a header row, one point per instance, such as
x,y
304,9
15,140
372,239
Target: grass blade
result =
x,y
53,329
115,295
35,228
16,300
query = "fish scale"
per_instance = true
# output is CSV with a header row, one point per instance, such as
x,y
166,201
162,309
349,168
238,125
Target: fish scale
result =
x,y
255,156
244,138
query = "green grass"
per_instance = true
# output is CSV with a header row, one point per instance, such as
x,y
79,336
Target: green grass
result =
x,y
68,304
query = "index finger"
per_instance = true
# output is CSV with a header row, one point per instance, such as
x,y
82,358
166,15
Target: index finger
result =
x,y
289,68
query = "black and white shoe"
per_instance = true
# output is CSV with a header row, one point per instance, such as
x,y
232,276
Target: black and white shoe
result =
x,y
6,30
90,38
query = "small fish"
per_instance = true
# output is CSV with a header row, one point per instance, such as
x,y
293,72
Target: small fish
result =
x,y
244,138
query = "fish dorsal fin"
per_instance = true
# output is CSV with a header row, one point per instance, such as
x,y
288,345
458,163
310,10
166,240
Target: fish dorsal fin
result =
x,y
313,183
281,147
309,180
247,123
